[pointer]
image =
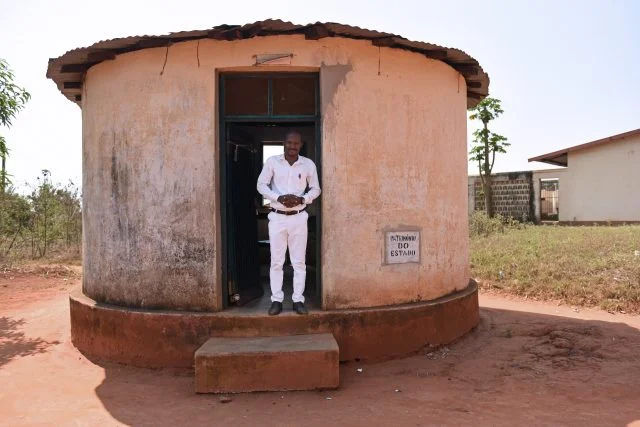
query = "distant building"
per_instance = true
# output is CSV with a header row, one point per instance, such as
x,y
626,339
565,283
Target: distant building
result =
x,y
601,182
528,196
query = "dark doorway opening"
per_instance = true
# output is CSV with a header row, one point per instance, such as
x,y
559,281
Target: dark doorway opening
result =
x,y
256,113
549,199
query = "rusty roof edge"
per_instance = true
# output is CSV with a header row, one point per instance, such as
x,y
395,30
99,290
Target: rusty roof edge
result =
x,y
545,158
78,59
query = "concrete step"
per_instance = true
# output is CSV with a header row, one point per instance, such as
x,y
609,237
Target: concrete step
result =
x,y
298,362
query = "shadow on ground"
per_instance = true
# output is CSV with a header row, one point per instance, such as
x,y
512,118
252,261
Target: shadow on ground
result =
x,y
14,343
515,368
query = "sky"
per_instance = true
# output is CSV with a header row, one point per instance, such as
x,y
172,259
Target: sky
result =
x,y
565,71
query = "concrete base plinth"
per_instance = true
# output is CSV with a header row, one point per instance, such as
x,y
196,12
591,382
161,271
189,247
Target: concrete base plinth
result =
x,y
299,362
150,338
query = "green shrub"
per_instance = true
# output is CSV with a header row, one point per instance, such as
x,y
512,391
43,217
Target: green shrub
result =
x,y
480,224
39,224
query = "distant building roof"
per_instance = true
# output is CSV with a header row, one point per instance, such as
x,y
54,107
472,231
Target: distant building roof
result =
x,y
68,70
560,157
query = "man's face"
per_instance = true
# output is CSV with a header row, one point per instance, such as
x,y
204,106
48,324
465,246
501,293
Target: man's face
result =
x,y
292,144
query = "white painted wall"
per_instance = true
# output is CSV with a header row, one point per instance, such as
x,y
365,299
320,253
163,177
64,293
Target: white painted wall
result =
x,y
602,183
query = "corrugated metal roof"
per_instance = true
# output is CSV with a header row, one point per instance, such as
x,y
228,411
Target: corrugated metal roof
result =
x,y
67,71
560,157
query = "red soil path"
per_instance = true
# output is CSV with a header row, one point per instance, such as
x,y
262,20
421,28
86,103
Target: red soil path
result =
x,y
527,363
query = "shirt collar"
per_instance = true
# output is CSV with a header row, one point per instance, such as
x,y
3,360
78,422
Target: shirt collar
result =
x,y
300,160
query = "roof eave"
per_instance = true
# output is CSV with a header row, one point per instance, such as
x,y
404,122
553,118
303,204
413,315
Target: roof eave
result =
x,y
549,161
546,158
68,70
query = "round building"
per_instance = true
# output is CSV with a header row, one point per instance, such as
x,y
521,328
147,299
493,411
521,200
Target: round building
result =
x,y
175,131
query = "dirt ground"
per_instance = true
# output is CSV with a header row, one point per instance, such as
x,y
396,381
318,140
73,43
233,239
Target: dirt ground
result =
x,y
527,363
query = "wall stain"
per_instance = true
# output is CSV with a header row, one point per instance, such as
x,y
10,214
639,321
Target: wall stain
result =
x,y
332,76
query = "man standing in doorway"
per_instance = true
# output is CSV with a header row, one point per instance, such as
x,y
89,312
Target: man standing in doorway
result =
x,y
284,180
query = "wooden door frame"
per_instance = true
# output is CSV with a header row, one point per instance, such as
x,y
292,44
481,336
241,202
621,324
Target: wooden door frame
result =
x,y
223,150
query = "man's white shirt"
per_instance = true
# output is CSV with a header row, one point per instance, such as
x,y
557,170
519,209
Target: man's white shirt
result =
x,y
278,177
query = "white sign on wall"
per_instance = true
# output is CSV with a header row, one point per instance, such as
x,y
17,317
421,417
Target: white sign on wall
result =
x,y
402,247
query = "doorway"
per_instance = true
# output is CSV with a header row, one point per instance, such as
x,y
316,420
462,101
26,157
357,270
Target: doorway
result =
x,y
256,113
549,199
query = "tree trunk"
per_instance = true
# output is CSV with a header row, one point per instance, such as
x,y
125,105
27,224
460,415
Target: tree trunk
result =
x,y
488,196
486,182
15,236
3,184
45,231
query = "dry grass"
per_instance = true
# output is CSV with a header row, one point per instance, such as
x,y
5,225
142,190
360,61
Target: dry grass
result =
x,y
69,271
65,263
62,255
588,266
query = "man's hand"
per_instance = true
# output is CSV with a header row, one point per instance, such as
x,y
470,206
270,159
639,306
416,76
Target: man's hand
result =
x,y
290,201
286,200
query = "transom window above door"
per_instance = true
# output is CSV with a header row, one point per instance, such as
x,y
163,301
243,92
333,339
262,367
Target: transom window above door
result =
x,y
275,96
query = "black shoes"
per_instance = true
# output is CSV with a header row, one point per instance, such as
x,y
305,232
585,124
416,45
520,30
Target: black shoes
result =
x,y
276,308
299,308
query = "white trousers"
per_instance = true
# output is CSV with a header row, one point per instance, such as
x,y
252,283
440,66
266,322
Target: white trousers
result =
x,y
288,231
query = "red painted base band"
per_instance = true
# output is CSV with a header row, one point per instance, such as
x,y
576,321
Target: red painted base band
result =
x,y
170,338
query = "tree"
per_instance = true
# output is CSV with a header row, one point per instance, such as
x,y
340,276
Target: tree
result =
x,y
486,144
12,100
15,218
45,211
45,221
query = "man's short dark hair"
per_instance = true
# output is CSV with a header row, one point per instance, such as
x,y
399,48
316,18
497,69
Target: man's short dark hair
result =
x,y
292,132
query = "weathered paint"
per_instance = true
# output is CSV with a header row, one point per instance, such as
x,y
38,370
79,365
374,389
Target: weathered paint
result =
x,y
157,338
393,155
602,183
148,184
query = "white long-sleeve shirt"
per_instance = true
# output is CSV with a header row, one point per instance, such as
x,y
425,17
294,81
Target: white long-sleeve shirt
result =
x,y
278,177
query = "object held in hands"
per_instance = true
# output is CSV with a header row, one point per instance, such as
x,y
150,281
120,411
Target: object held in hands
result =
x,y
290,201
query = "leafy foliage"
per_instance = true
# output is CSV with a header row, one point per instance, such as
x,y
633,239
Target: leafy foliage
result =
x,y
487,143
48,219
481,224
12,99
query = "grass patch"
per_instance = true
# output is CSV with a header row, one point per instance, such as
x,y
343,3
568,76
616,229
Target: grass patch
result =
x,y
588,266
480,224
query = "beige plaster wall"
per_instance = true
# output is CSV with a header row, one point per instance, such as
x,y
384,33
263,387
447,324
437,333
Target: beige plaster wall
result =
x,y
394,155
148,183
602,183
